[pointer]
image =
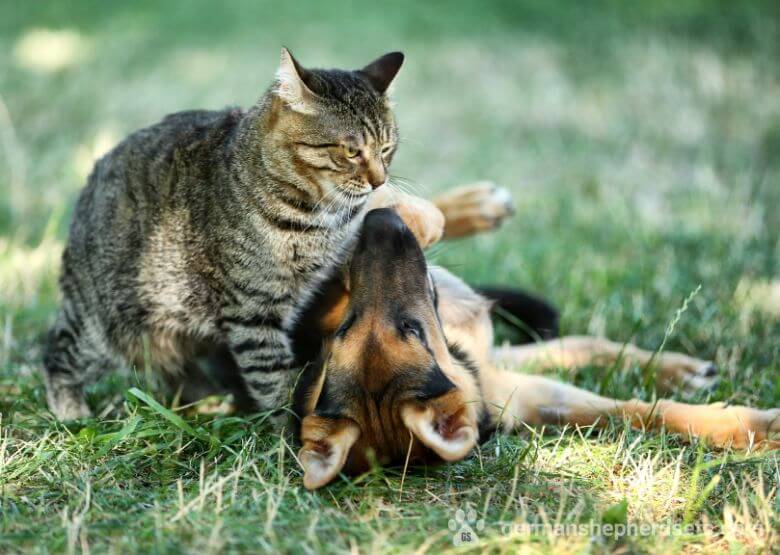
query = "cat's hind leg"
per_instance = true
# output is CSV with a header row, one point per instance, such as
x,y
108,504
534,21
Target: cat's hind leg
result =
x,y
74,355
204,368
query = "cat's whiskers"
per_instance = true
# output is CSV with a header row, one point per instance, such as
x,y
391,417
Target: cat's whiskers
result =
x,y
437,251
407,140
319,218
315,209
350,206
394,186
344,208
319,202
414,187
334,207
398,187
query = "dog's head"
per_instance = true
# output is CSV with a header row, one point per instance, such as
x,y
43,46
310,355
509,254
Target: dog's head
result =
x,y
386,387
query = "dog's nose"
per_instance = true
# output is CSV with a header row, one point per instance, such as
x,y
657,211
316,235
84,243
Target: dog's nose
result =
x,y
385,234
381,224
386,252
387,257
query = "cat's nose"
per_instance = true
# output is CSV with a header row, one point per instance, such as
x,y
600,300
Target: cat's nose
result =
x,y
376,175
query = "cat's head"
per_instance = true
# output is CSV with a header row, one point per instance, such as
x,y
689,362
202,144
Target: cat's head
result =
x,y
331,132
388,388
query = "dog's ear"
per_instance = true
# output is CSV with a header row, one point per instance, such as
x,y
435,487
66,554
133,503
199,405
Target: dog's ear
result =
x,y
326,445
442,424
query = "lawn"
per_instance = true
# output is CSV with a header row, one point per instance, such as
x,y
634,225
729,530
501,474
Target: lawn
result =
x,y
641,142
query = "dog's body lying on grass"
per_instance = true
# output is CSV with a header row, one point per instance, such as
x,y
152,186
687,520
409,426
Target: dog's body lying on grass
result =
x,y
408,370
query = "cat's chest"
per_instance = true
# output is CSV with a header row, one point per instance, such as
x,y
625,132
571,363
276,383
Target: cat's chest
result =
x,y
306,254
309,260
296,258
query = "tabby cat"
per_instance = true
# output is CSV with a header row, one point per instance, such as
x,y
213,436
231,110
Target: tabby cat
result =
x,y
215,226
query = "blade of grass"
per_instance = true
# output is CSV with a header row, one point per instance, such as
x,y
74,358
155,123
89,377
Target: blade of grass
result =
x,y
171,416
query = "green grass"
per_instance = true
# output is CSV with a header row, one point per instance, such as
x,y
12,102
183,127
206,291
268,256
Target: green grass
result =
x,y
642,144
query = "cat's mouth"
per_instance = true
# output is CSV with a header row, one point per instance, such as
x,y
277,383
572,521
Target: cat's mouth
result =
x,y
356,189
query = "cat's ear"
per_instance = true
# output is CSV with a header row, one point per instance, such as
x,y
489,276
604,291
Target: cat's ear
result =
x,y
442,424
326,445
381,72
291,84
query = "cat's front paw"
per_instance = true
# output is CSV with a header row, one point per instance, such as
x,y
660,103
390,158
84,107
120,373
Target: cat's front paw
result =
x,y
423,218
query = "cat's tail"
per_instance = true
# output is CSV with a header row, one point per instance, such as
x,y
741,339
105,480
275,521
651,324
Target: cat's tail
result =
x,y
530,317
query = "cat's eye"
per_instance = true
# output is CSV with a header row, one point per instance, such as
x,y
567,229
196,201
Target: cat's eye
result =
x,y
351,151
387,149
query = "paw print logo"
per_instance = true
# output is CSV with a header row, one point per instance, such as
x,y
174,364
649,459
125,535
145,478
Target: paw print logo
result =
x,y
465,526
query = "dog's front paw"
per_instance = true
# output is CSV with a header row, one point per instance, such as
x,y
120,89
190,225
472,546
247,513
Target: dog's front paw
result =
x,y
678,372
474,208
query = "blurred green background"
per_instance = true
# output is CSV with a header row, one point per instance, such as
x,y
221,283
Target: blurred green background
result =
x,y
641,141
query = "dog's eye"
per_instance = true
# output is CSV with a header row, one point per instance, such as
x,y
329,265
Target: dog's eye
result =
x,y
412,327
344,328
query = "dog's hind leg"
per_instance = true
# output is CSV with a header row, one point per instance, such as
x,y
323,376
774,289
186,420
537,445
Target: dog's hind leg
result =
x,y
673,371
518,400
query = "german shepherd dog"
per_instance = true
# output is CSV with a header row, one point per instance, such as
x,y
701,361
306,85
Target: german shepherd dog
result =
x,y
402,367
